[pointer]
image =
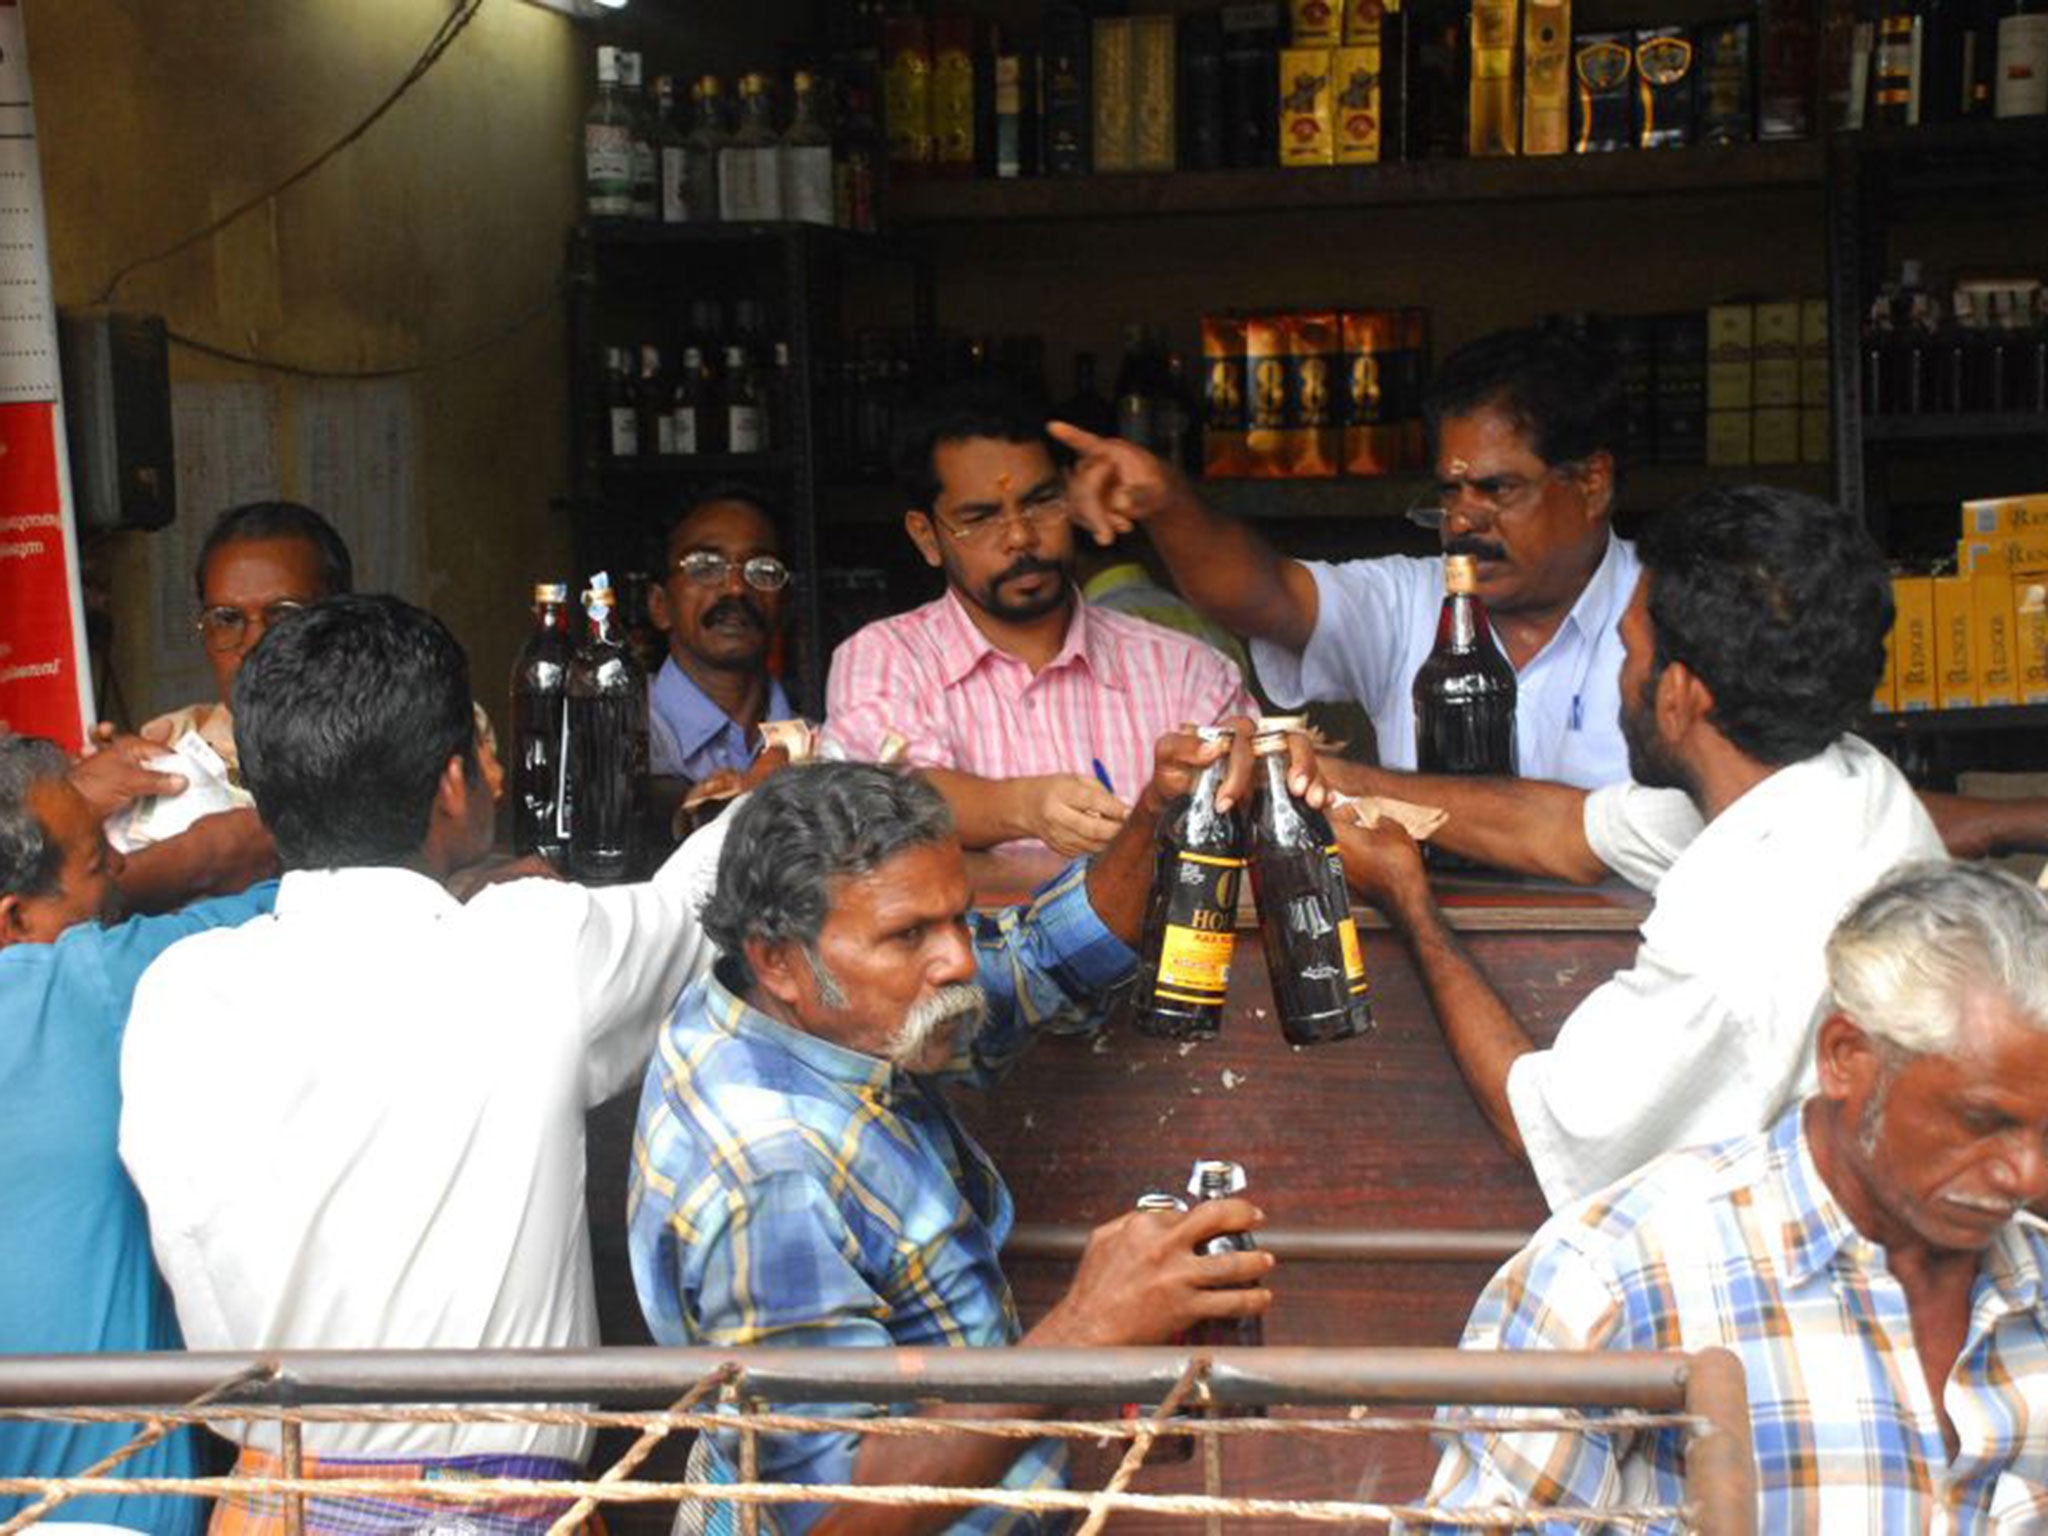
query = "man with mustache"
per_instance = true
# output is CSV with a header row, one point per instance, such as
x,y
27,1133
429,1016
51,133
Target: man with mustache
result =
x,y
798,1176
1526,423
720,602
1032,710
1865,1256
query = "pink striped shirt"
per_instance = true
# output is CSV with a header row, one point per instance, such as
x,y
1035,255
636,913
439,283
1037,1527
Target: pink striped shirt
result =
x,y
1117,685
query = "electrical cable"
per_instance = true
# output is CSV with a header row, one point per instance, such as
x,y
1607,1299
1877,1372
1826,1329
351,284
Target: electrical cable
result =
x,y
451,27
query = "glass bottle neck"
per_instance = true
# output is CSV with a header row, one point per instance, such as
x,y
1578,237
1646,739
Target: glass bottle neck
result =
x,y
1462,623
550,617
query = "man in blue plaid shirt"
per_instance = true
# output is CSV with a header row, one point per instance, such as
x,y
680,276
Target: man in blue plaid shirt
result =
x,y
798,1177
1868,1258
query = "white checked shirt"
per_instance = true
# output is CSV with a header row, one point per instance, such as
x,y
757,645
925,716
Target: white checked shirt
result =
x,y
1117,685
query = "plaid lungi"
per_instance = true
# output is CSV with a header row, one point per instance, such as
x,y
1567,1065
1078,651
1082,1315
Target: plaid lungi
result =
x,y
263,1514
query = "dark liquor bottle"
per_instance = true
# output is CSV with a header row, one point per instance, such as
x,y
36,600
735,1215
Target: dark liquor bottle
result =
x,y
1086,408
2020,84
621,404
1465,690
1218,1179
746,405
539,679
701,148
1140,382
1191,922
606,763
1894,64
1313,956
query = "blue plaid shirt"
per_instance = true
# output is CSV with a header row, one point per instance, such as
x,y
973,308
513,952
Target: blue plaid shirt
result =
x,y
1742,1245
786,1190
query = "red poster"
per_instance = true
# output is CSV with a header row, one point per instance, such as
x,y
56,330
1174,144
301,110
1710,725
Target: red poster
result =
x,y
45,679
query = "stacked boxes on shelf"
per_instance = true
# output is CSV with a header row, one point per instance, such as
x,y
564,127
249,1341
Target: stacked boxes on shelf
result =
x,y
1767,382
1978,638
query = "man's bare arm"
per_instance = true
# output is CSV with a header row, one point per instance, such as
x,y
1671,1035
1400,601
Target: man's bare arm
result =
x,y
217,855
1973,827
1070,814
1530,825
1221,565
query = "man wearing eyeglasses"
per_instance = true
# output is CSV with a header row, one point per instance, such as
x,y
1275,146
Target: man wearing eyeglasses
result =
x,y
1031,710
720,603
1525,424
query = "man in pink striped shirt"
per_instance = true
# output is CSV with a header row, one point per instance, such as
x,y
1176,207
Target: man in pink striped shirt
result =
x,y
1033,711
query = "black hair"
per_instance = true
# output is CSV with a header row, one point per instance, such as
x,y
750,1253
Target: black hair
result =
x,y
346,713
1780,604
801,832
982,406
1560,390
724,490
30,859
280,520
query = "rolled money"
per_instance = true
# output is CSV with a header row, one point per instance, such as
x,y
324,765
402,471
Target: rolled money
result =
x,y
895,749
1418,821
795,737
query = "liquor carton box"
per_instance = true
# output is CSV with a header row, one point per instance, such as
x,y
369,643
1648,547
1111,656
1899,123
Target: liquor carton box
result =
x,y
1365,21
1493,121
1777,353
1265,371
1681,387
1016,115
1913,633
1153,76
1546,76
1199,114
1991,636
1111,87
1631,339
1955,662
1813,352
1728,437
1067,50
1251,78
1224,451
1885,700
1603,92
1731,341
1372,405
2030,637
1315,23
2004,515
1664,87
1727,95
1787,52
2024,553
1816,434
952,96
1315,352
907,94
1776,434
1356,110
1307,130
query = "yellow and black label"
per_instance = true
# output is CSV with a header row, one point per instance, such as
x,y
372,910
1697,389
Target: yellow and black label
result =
x,y
1347,928
1194,964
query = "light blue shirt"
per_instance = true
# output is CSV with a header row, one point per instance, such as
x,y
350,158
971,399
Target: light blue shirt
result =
x,y
76,1274
1376,624
690,736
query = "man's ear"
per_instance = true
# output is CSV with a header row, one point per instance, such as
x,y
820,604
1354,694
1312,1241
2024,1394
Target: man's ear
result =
x,y
924,534
1682,701
1596,474
657,606
1848,1059
451,794
776,967
13,921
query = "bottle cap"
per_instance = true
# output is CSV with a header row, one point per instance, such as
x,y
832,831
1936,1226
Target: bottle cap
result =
x,y
803,80
753,84
551,591
1160,1200
705,86
1214,1177
1461,574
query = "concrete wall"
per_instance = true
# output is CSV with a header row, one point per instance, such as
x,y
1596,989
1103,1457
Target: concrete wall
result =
x,y
434,231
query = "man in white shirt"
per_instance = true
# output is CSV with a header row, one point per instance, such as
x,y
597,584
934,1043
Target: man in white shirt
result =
x,y
359,1123
1752,644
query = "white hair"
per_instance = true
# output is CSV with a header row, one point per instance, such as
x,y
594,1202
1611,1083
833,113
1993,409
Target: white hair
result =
x,y
1924,939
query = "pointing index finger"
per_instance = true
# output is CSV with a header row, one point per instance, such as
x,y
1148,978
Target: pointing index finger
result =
x,y
1079,439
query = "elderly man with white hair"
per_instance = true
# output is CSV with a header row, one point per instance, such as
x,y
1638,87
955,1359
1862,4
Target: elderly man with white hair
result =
x,y
1868,1257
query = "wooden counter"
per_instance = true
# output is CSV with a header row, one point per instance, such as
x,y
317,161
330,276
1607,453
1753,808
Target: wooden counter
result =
x,y
1375,1133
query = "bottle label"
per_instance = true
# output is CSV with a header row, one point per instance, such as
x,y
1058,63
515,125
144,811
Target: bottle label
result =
x,y
1347,930
2022,75
743,429
1201,928
675,185
607,170
1194,966
665,434
684,426
807,183
749,186
625,432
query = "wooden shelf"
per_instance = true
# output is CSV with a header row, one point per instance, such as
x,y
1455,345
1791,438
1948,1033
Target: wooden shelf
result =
x,y
1734,167
1978,426
1956,722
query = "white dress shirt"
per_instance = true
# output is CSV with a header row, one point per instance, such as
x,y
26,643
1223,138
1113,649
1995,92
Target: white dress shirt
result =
x,y
359,1123
1376,625
1710,1033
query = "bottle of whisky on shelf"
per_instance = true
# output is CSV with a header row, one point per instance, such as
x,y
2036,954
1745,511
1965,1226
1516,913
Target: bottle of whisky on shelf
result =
x,y
805,159
621,404
701,148
2022,81
749,180
686,401
746,405
671,154
645,196
608,145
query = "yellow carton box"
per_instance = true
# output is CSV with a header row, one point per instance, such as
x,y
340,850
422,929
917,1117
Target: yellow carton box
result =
x,y
1731,338
1546,77
1307,129
1913,635
1112,86
1152,82
1355,112
1813,352
2004,515
1775,438
1816,435
1728,437
1955,662
1991,638
2030,637
2022,553
1777,353
1314,23
1886,700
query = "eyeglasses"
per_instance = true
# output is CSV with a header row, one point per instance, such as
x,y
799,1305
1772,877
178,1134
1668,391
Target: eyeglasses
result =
x,y
1495,495
979,521
224,627
708,568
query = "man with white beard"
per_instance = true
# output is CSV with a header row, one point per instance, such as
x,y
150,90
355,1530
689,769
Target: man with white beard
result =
x,y
798,1176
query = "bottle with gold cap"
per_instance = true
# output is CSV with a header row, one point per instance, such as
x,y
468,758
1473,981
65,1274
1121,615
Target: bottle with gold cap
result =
x,y
539,680
1465,691
1191,919
1313,957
